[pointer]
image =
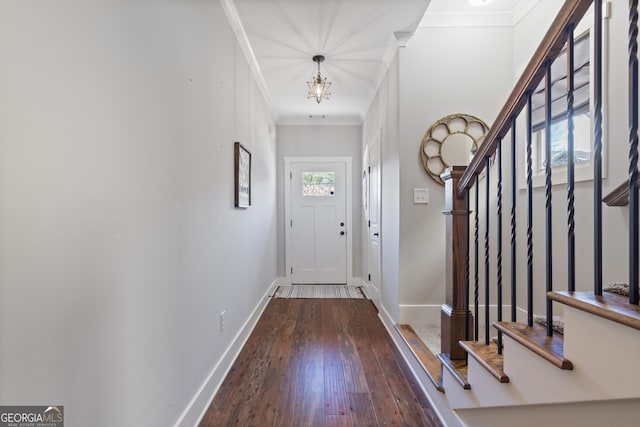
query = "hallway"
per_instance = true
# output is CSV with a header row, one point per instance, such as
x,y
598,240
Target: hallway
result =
x,y
319,362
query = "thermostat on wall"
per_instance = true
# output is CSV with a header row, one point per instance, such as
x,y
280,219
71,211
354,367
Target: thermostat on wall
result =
x,y
420,195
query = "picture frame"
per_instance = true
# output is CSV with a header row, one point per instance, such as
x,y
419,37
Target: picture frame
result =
x,y
242,178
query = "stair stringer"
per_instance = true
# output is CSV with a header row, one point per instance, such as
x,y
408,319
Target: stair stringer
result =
x,y
535,381
610,413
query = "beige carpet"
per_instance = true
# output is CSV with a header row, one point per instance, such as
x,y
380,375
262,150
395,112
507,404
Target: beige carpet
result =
x,y
430,335
319,291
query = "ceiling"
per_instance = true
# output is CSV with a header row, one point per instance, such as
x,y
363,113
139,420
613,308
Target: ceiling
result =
x,y
358,38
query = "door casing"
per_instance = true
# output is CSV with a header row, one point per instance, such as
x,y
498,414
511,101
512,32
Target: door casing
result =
x,y
371,164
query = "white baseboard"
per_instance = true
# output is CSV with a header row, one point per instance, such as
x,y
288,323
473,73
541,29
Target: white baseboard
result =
x,y
197,407
282,281
429,314
354,281
357,281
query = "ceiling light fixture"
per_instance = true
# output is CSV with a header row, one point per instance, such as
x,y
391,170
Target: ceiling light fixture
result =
x,y
479,2
318,87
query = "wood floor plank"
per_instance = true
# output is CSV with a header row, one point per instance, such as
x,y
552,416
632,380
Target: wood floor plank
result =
x,y
354,376
382,398
265,410
307,402
319,363
291,399
338,421
313,405
362,413
410,409
423,400
331,346
385,408
335,391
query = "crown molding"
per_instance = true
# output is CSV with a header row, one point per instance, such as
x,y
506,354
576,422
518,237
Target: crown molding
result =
x,y
231,12
479,18
403,37
467,19
522,9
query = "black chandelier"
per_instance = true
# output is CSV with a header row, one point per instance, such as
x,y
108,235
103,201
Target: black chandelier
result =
x,y
318,87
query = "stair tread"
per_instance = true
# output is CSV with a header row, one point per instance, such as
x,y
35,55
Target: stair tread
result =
x,y
428,360
608,306
457,368
535,339
488,357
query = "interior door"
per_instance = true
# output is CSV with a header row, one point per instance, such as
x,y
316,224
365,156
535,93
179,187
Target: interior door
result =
x,y
318,223
373,221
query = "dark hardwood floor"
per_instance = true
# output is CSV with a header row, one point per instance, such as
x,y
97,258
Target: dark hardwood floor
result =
x,y
319,362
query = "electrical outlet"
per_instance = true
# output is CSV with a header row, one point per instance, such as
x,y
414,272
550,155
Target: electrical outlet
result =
x,y
223,319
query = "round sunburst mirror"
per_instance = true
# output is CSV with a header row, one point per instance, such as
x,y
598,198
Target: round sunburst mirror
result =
x,y
451,141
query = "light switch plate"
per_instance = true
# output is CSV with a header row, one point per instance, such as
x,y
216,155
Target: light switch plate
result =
x,y
421,195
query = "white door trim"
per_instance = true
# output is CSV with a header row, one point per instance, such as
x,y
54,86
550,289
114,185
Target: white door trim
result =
x,y
373,149
287,208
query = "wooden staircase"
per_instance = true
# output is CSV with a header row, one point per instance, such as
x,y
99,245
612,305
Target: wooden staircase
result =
x,y
563,373
534,376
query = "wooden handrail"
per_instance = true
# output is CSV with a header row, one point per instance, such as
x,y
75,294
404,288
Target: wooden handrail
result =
x,y
570,14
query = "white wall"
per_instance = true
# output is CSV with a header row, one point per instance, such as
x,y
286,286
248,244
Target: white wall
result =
x,y
119,242
314,141
443,71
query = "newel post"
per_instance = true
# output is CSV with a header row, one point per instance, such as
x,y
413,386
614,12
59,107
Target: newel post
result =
x,y
455,309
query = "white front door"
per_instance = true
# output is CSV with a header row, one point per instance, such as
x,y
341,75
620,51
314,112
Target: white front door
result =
x,y
318,222
373,213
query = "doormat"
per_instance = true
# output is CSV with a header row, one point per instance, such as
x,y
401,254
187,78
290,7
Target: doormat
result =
x,y
319,291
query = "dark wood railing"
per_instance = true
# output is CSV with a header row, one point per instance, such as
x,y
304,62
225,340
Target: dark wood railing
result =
x,y
465,186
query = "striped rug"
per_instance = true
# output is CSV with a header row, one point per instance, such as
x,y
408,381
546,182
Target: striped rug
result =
x,y
319,291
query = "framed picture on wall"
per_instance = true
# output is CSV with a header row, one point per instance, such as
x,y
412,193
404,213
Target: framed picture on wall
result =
x,y
242,159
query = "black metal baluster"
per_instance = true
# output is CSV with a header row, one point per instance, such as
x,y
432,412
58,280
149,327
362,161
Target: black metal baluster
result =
x,y
476,262
571,244
466,269
633,152
597,146
529,214
548,210
487,306
499,242
514,197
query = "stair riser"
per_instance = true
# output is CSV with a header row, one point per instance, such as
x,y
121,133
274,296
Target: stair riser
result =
x,y
486,391
538,381
456,396
601,371
604,352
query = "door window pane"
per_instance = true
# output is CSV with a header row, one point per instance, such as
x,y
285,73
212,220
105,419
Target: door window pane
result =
x,y
318,184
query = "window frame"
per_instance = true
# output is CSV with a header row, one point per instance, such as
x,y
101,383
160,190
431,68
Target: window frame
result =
x,y
583,170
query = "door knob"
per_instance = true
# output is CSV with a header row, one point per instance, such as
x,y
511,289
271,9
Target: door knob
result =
x,y
342,224
376,234
342,233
